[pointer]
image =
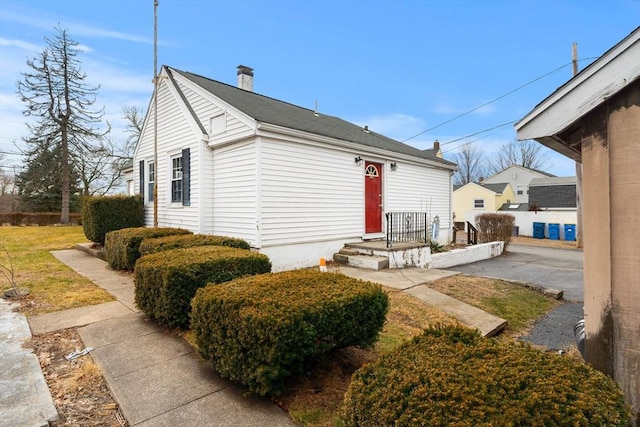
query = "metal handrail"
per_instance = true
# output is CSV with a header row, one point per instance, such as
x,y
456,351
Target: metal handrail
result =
x,y
407,227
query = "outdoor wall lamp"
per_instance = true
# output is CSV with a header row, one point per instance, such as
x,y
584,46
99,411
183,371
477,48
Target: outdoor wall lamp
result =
x,y
358,160
394,166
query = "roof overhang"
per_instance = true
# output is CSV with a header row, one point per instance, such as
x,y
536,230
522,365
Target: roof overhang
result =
x,y
608,75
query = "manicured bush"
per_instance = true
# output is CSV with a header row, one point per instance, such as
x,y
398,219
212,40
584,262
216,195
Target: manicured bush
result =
x,y
150,246
122,246
166,282
495,227
260,330
102,214
452,376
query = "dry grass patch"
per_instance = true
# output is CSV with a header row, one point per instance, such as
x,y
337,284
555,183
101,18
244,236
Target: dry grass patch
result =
x,y
518,305
79,391
53,286
547,243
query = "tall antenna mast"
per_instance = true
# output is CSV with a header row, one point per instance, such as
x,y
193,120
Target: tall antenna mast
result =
x,y
155,113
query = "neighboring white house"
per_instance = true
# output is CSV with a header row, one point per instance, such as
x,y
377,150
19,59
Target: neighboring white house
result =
x,y
295,183
519,177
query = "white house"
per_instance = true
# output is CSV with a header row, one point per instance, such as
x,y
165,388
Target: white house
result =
x,y
295,183
519,177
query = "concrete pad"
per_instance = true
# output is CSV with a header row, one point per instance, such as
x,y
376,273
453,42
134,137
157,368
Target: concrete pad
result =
x,y
147,393
470,316
220,407
75,317
116,330
397,278
25,399
138,353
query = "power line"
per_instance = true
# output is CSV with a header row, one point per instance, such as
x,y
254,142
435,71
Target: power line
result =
x,y
478,133
495,99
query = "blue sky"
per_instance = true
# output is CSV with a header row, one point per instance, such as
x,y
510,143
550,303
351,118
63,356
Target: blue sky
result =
x,y
400,67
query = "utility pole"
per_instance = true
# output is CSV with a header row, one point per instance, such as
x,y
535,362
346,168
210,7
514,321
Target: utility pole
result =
x,y
155,113
574,61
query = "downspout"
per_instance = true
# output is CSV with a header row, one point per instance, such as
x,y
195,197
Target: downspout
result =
x,y
258,213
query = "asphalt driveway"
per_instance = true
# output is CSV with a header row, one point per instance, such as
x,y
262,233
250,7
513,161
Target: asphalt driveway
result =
x,y
548,267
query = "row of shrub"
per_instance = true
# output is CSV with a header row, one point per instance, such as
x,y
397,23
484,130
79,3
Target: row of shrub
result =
x,y
36,218
452,376
260,330
254,328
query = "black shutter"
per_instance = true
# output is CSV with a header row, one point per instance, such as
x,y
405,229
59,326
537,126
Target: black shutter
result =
x,y
142,179
186,177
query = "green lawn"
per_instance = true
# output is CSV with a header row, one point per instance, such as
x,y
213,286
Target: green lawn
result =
x,y
53,286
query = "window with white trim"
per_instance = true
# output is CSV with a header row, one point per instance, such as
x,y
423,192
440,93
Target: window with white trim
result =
x,y
151,180
478,203
176,179
520,189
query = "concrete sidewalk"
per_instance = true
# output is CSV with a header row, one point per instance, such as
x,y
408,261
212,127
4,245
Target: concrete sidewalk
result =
x,y
25,399
155,377
413,281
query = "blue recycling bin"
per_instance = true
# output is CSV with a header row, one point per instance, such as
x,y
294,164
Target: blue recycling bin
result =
x,y
554,231
538,230
570,232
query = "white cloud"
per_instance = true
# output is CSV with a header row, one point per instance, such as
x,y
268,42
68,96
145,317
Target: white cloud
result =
x,y
20,44
39,20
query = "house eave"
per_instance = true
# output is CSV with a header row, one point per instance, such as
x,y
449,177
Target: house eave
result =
x,y
601,80
263,129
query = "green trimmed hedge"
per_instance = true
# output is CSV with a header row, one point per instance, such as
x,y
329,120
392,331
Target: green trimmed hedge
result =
x,y
122,246
102,214
151,246
452,376
166,282
263,329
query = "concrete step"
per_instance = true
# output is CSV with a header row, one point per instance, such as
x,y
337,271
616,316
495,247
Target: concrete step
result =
x,y
348,251
372,262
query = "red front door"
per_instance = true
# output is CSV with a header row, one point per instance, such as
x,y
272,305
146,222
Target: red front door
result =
x,y
372,197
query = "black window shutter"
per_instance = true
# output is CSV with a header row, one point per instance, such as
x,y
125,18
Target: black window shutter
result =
x,y
186,177
142,179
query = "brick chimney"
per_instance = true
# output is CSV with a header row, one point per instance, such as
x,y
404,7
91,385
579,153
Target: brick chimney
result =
x,y
245,78
436,145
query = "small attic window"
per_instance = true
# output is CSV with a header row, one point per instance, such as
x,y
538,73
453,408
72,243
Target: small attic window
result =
x,y
218,124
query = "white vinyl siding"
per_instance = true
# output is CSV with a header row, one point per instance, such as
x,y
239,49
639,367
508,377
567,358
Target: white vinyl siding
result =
x,y
234,191
418,188
206,109
174,134
309,193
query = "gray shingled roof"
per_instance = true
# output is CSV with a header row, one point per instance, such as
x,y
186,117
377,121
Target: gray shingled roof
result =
x,y
273,111
552,196
496,188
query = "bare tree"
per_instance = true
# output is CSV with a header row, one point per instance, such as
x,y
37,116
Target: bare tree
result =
x,y
57,96
135,119
470,164
526,153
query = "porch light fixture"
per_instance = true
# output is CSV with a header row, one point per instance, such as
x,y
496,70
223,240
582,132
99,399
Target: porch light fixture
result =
x,y
394,166
358,160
